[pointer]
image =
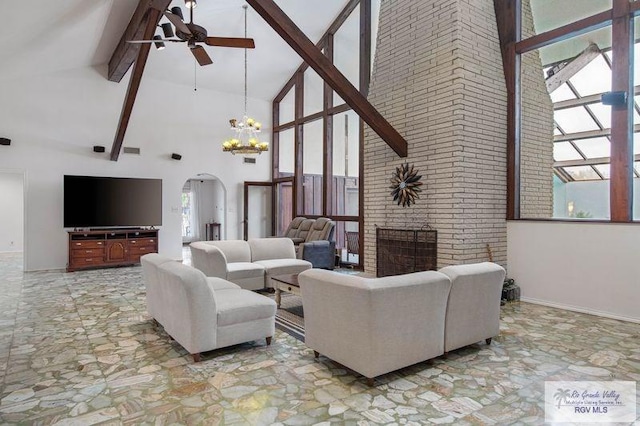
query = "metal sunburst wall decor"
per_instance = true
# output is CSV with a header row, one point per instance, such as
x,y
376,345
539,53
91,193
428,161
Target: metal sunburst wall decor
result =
x,y
405,185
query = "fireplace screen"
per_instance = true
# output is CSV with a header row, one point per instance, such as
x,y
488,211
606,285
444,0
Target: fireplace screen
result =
x,y
401,251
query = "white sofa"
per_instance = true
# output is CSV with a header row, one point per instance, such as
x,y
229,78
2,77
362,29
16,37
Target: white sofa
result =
x,y
250,264
378,325
203,313
375,325
473,309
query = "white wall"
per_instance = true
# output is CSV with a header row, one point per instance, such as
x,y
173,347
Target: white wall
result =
x,y
586,267
11,211
55,119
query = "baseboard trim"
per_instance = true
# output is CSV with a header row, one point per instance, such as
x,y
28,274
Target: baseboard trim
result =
x,y
579,309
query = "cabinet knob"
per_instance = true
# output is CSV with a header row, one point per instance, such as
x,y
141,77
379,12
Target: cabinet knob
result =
x,y
100,243
133,241
89,259
78,244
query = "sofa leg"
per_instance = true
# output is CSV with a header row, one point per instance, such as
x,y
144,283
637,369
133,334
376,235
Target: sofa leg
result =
x,y
196,358
370,382
488,340
316,354
269,340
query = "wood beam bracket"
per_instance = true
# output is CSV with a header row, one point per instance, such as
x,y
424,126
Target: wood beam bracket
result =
x,y
125,53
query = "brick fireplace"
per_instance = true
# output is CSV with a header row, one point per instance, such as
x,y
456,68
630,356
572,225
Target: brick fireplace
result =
x,y
438,78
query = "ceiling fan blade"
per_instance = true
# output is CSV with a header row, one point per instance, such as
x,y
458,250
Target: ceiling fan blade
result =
x,y
164,40
245,43
201,55
177,22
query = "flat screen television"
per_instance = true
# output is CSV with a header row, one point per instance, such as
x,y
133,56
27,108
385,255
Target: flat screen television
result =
x,y
103,202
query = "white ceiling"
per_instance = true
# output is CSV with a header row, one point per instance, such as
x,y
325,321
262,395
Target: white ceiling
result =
x,y
48,36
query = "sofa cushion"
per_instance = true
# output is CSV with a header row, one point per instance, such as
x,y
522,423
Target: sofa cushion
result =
x,y
220,284
239,306
234,250
284,266
271,248
321,230
292,230
305,228
239,270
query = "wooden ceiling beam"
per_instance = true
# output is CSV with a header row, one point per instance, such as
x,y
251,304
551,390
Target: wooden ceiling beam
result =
x,y
134,83
571,67
126,53
290,33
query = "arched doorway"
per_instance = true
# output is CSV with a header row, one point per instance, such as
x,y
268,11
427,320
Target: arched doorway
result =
x,y
204,199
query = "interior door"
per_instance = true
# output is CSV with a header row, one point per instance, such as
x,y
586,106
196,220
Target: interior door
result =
x,y
258,210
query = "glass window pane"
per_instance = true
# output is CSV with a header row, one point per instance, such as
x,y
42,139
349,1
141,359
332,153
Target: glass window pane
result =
x,y
582,173
346,50
602,113
562,93
347,243
284,203
563,151
286,152
594,78
636,141
604,170
547,194
594,148
287,107
346,147
573,120
312,168
313,92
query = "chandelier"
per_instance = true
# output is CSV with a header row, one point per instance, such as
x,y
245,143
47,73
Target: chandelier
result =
x,y
245,132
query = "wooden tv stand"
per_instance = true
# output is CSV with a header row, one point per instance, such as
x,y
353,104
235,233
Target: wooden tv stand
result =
x,y
109,247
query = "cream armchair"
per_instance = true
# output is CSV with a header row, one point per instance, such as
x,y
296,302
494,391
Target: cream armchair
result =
x,y
473,309
202,313
375,325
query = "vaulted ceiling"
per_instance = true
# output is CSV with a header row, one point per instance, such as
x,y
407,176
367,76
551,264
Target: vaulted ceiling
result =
x,y
49,36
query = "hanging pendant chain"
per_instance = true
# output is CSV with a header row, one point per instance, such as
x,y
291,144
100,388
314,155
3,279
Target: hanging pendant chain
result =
x,y
245,60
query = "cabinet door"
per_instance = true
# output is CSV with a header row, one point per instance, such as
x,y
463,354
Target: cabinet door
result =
x,y
116,251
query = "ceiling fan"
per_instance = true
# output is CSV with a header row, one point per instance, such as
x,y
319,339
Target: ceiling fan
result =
x,y
193,34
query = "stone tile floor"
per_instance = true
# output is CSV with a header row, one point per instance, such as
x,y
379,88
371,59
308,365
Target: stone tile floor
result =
x,y
80,349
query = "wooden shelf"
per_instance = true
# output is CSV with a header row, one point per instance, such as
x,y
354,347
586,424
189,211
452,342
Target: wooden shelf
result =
x,y
109,247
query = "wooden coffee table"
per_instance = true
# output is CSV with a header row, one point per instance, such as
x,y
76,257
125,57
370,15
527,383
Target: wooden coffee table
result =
x,y
288,283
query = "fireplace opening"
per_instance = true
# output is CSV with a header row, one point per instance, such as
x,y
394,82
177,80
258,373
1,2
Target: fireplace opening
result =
x,y
402,251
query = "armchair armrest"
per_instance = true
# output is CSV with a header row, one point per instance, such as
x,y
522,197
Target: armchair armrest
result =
x,y
209,259
320,253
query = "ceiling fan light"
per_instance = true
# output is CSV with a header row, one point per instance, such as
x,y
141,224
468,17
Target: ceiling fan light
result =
x,y
190,4
159,44
177,11
167,29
